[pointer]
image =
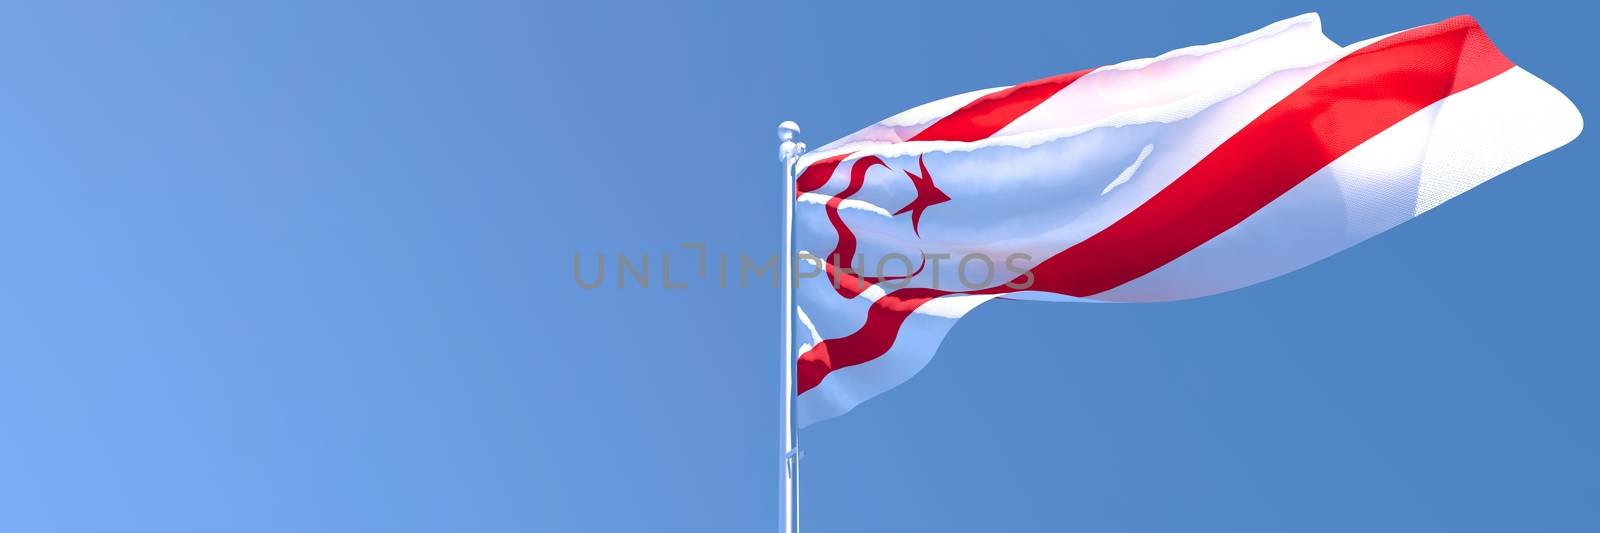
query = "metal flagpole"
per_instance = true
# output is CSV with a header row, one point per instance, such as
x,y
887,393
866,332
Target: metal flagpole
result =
x,y
789,151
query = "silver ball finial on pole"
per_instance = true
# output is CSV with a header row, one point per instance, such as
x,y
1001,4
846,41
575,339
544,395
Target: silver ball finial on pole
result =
x,y
791,148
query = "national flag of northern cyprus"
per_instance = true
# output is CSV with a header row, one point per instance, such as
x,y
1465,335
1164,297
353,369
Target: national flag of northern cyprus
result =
x,y
1202,170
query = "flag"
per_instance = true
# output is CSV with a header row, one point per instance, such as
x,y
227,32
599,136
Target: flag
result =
x,y
1199,171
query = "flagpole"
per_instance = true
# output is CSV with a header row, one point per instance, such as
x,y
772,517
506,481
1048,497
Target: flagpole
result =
x,y
789,151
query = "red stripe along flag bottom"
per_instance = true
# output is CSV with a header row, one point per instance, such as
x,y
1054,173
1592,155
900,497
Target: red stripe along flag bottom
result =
x,y
1200,171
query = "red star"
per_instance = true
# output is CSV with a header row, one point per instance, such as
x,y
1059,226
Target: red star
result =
x,y
928,195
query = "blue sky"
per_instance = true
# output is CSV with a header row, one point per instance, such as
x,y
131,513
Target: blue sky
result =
x,y
307,267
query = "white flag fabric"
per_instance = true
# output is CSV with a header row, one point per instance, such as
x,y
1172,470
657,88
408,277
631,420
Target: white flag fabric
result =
x,y
1203,170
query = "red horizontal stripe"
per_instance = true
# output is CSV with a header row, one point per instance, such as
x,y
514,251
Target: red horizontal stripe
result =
x,y
816,175
872,340
992,112
1341,107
